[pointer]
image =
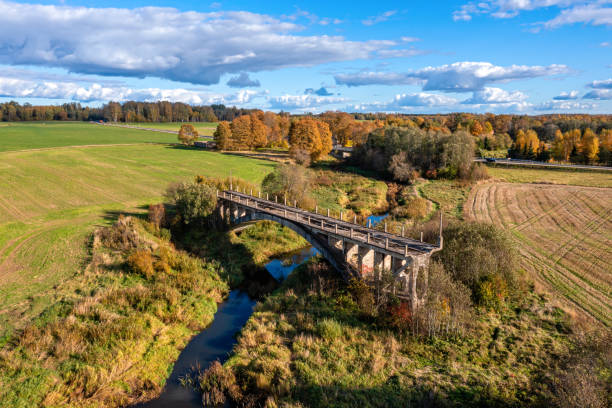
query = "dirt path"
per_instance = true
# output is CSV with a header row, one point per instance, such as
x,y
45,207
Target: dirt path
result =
x,y
564,235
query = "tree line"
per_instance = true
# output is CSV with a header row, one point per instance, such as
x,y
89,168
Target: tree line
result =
x,y
131,111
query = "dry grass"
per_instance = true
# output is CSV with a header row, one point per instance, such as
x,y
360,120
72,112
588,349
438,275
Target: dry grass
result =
x,y
564,236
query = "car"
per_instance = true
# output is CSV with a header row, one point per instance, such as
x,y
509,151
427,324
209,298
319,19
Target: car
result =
x,y
490,159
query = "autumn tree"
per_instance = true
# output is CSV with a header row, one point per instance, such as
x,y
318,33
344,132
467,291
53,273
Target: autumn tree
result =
x,y
223,136
310,135
187,135
476,128
589,146
248,132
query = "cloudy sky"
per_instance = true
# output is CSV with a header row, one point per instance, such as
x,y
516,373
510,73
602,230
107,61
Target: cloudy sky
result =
x,y
515,56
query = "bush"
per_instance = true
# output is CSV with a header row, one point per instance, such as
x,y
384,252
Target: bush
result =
x,y
413,207
157,215
141,262
479,172
216,383
293,181
475,253
447,309
194,202
329,329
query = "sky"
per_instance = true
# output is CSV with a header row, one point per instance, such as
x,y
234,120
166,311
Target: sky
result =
x,y
500,56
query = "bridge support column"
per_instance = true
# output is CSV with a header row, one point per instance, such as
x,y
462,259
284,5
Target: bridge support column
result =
x,y
335,243
366,261
350,252
382,261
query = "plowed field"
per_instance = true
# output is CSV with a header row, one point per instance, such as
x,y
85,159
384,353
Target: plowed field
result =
x,y
564,235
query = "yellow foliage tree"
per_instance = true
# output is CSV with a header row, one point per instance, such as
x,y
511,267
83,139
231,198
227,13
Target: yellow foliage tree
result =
x,y
311,136
589,146
223,136
188,135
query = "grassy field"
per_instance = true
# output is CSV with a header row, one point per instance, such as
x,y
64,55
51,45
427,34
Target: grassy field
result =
x,y
564,235
38,135
307,349
51,200
203,128
551,176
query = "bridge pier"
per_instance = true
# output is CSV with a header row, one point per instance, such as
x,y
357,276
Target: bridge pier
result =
x,y
335,243
365,261
351,251
382,261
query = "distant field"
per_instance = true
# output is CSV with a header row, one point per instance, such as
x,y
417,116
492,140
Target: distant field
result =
x,y
203,128
51,200
564,234
37,135
552,176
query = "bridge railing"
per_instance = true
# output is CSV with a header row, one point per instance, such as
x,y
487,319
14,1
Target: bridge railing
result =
x,y
353,231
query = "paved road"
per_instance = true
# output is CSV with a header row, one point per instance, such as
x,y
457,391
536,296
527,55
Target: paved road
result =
x,y
383,240
530,163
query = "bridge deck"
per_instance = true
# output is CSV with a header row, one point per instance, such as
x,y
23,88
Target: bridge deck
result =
x,y
383,240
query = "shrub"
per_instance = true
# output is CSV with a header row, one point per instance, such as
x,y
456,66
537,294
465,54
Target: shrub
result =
x,y
329,329
157,215
141,262
301,157
401,170
477,252
491,292
479,172
413,207
447,308
194,202
294,181
216,383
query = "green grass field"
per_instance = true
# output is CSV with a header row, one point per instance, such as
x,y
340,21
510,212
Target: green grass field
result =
x,y
52,199
203,128
39,135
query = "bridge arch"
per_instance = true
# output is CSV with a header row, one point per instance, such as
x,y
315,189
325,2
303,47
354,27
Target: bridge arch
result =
x,y
312,239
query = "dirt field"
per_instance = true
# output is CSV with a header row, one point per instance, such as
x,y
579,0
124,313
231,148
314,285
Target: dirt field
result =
x,y
564,234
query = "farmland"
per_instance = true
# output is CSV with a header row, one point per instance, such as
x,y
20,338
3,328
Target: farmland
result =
x,y
203,128
563,234
52,199
40,135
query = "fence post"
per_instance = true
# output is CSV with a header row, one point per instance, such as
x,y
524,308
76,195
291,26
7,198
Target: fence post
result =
x,y
385,226
328,212
251,192
340,215
368,238
295,203
355,219
405,250
259,194
316,209
421,236
351,233
336,228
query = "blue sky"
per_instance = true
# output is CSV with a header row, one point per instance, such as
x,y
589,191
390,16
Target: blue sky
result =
x,y
502,56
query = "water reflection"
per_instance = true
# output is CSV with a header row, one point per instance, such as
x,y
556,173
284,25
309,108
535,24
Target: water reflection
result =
x,y
281,268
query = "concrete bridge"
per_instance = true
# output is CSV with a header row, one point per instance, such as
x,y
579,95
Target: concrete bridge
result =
x,y
354,250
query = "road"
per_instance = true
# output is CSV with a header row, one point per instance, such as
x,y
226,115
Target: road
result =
x,y
530,163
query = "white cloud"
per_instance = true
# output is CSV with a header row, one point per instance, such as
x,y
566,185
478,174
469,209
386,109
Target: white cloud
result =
x,y
571,11
456,77
566,96
406,101
379,18
601,94
605,84
401,53
306,102
604,44
594,14
22,88
565,106
410,39
163,42
243,81
495,96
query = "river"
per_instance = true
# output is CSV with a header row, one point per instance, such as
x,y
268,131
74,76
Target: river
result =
x,y
217,340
